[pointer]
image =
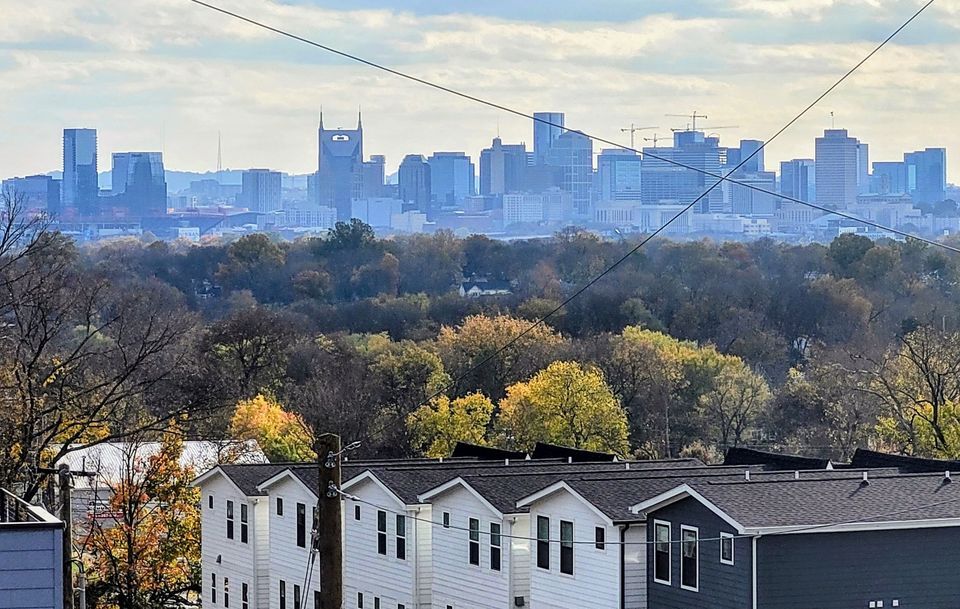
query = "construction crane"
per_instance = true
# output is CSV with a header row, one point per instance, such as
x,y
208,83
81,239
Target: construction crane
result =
x,y
693,116
656,138
633,130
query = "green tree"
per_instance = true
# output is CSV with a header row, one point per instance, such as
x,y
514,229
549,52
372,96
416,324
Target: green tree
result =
x,y
735,403
435,428
564,404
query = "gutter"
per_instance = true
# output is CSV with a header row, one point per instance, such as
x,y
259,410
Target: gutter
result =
x,y
623,566
754,570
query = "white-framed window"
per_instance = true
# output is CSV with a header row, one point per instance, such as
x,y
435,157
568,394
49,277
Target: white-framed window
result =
x,y
566,547
283,594
301,525
296,596
210,502
689,558
226,591
495,546
446,520
474,542
661,552
543,542
213,588
401,537
244,528
726,548
244,596
600,538
381,532
279,506
356,512
229,519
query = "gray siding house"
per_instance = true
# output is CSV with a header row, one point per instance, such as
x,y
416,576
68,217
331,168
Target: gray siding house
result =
x,y
31,551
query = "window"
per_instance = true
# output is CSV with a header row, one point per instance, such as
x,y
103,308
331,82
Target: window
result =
x,y
244,597
566,547
283,594
359,600
689,559
316,599
600,538
661,552
210,501
401,537
446,520
495,550
376,602
474,541
229,520
243,523
226,591
726,548
301,525
213,588
296,596
279,506
381,532
543,542
356,512
401,606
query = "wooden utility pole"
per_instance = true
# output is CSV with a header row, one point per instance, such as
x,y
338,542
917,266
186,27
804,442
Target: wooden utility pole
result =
x,y
65,478
329,523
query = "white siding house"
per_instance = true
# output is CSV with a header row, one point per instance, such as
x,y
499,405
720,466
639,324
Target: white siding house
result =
x,y
582,574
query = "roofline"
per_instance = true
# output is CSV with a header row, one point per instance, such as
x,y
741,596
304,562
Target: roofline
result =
x,y
556,487
369,475
199,480
684,491
458,481
849,527
287,472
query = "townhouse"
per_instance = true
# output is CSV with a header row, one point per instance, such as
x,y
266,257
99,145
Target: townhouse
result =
x,y
477,533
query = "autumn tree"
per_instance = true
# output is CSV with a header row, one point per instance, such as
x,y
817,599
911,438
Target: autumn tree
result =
x,y
735,402
282,435
565,404
147,556
435,428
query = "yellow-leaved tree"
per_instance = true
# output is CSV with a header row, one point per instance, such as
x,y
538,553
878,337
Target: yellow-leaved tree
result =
x,y
566,404
282,435
435,428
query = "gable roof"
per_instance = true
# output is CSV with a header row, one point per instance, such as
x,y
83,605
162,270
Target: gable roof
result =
x,y
458,482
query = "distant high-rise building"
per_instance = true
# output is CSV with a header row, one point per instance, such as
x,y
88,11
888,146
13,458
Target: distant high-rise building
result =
x,y
503,168
663,181
139,183
926,175
572,154
262,190
374,176
837,169
745,200
618,174
798,179
755,163
40,193
452,177
415,184
340,172
81,188
547,127
889,177
863,168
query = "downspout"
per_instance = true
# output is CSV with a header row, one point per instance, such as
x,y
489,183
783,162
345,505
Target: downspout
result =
x,y
754,568
623,566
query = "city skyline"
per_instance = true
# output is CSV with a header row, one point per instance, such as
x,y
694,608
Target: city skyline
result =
x,y
184,79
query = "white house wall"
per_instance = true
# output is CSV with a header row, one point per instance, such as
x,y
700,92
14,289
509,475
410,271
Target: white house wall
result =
x,y
227,558
424,556
635,567
288,562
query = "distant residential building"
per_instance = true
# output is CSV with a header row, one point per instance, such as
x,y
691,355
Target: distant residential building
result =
x,y
477,288
39,192
503,168
547,128
80,189
572,154
262,190
926,174
837,169
374,177
663,182
340,173
618,174
452,177
139,183
798,179
415,184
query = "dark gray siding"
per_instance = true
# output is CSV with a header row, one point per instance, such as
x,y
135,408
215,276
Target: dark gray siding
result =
x,y
917,567
30,567
721,586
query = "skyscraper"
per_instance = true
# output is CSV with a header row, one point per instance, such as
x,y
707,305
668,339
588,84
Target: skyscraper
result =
x,y
798,179
664,181
572,153
139,183
502,168
262,190
81,188
618,173
547,127
452,177
41,193
415,187
927,175
374,176
754,164
340,171
837,168
863,168
889,177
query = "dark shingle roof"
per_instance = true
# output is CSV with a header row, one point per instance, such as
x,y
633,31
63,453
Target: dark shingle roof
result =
x,y
552,451
463,449
774,461
869,458
248,476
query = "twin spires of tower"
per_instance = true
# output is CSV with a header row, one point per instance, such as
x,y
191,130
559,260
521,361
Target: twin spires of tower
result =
x,y
359,119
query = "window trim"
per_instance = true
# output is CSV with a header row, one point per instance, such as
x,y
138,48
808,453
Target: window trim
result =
x,y
279,507
244,596
226,591
473,541
496,546
543,542
213,588
685,528
301,525
283,594
296,596
733,549
446,520
569,546
401,534
229,519
244,523
656,524
209,502
382,533
600,538
356,512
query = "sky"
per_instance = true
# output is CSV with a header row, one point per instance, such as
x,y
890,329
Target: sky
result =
x,y
170,75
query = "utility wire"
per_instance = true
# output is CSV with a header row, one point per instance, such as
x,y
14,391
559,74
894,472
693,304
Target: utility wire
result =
x,y
721,178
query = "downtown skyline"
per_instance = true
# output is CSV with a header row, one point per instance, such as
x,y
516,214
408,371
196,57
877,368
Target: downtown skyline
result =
x,y
182,81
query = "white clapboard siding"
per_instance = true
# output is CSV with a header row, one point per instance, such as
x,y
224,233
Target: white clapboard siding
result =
x,y
260,590
596,575
424,556
288,562
520,559
227,558
635,567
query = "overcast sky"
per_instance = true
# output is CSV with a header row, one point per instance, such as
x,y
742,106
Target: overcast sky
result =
x,y
152,74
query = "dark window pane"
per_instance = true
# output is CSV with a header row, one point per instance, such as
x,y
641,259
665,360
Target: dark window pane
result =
x,y
689,559
543,542
600,538
301,525
661,564
279,506
566,547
